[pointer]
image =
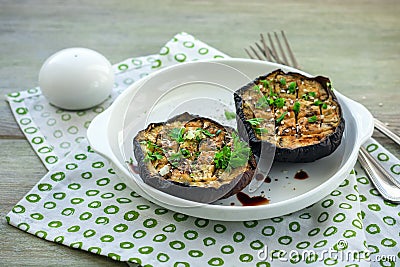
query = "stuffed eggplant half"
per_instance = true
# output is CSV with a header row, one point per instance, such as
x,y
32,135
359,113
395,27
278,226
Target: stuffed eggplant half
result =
x,y
194,158
298,115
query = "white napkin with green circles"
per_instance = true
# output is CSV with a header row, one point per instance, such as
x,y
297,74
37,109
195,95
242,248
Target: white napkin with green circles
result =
x,y
82,203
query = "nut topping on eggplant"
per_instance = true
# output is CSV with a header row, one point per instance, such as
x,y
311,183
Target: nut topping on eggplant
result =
x,y
194,158
298,115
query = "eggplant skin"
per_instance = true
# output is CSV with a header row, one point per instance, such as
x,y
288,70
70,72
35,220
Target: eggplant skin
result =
x,y
186,191
307,153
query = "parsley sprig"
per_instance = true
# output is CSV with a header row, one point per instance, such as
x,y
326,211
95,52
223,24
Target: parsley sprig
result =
x,y
177,134
279,102
150,145
278,120
307,95
264,102
205,132
260,131
255,121
265,83
222,157
151,156
292,87
175,158
230,115
232,157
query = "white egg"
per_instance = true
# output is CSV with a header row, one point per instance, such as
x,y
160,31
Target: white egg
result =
x,y
76,78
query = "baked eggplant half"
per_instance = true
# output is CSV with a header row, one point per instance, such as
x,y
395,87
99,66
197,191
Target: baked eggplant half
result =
x,y
298,115
194,158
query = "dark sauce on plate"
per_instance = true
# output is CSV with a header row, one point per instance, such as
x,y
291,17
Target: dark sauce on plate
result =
x,y
301,175
259,177
246,200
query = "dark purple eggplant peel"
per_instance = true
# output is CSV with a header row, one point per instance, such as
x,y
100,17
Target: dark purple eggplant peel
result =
x,y
299,115
194,158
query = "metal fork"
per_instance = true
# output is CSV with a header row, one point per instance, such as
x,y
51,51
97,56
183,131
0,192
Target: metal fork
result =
x,y
383,181
270,53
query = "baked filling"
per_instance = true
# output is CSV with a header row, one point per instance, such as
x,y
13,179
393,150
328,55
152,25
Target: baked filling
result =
x,y
290,110
194,152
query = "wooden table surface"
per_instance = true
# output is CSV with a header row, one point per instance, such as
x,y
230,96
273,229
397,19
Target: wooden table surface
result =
x,y
354,42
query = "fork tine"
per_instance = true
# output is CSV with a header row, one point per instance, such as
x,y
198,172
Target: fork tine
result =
x,y
284,58
248,53
266,49
262,51
255,53
292,57
274,53
270,52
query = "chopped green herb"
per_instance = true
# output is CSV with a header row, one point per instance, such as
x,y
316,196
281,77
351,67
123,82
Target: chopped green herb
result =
x,y
318,102
175,158
150,156
230,115
256,88
130,161
150,145
222,157
282,81
263,102
312,119
255,121
205,132
260,131
270,101
292,87
278,120
177,134
296,107
265,83
241,152
185,152
272,93
218,132
279,102
307,95
233,158
324,106
175,164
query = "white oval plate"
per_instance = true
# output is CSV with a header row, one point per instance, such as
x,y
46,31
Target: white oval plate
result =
x,y
205,88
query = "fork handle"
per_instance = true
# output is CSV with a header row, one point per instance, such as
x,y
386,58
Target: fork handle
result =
x,y
387,189
379,167
380,126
